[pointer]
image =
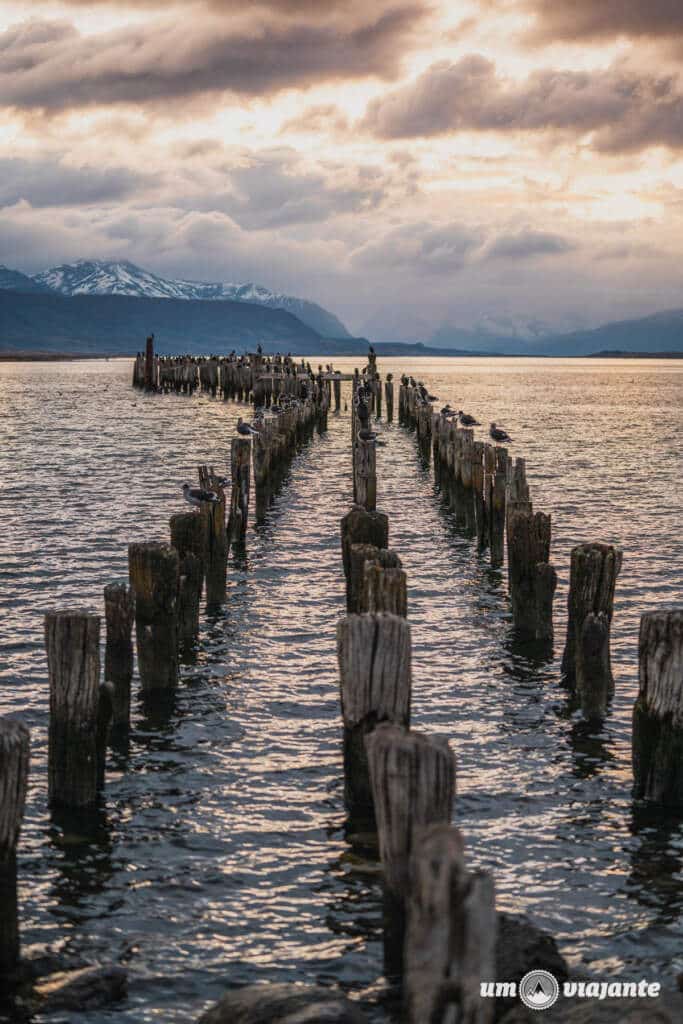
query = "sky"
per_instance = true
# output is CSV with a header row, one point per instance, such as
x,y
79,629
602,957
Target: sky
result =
x,y
406,163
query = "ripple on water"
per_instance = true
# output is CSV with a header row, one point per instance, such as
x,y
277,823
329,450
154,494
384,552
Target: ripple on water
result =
x,y
220,857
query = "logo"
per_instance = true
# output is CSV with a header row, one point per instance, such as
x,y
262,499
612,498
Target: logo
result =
x,y
538,990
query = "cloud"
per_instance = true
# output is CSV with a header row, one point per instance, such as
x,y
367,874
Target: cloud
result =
x,y
604,19
430,250
325,118
51,183
527,244
49,65
626,111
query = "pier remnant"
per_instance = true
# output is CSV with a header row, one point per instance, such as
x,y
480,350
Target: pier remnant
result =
x,y
532,579
658,712
215,554
72,642
451,932
14,764
154,570
586,667
119,612
375,685
189,534
240,452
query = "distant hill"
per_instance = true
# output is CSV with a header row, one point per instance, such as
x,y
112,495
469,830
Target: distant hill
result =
x,y
111,324
656,333
121,277
19,282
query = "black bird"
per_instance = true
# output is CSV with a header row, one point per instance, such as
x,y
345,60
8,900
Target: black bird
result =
x,y
367,435
468,421
432,398
245,429
195,495
496,434
259,349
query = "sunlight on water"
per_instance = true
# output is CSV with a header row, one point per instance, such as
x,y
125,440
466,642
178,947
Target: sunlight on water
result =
x,y
219,857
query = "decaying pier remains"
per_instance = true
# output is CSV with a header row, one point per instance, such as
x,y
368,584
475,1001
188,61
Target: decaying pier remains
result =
x,y
440,920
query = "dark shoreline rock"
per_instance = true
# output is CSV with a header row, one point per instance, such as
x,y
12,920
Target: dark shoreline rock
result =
x,y
283,1004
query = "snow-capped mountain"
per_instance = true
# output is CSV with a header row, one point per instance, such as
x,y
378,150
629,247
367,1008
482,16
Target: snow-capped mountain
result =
x,y
120,277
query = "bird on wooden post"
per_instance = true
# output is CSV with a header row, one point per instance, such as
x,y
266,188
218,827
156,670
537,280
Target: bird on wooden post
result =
x,y
245,429
498,434
196,495
468,421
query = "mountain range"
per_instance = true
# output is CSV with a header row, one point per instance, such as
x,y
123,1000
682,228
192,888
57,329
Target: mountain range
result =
x,y
109,306
121,277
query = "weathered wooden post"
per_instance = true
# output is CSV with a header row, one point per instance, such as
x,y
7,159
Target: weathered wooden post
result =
x,y
532,579
336,385
188,537
119,611
365,466
385,587
658,713
215,554
361,527
154,570
240,452
586,667
149,364
72,642
389,397
375,682
451,933
14,760
412,777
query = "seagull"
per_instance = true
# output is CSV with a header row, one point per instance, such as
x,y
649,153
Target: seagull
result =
x,y
245,429
496,434
469,421
195,495
367,435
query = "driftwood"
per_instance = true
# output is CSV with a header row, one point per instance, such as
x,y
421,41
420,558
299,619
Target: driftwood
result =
x,y
375,686
153,569
658,713
14,761
451,930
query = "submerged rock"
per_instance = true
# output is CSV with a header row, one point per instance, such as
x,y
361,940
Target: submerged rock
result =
x,y
283,1004
523,947
88,989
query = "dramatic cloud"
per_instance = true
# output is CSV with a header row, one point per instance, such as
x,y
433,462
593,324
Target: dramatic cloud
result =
x,y
605,19
49,65
626,111
49,183
526,244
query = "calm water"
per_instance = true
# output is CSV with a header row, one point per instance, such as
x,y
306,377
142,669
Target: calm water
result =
x,y
219,857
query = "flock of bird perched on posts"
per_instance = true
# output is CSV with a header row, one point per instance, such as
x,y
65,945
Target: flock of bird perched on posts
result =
x,y
442,930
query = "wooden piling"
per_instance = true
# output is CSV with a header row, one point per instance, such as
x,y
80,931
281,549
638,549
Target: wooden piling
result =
x,y
375,685
365,470
240,451
585,668
72,642
389,397
119,612
149,364
385,586
532,579
154,570
451,933
658,713
361,527
215,554
188,537
361,555
14,764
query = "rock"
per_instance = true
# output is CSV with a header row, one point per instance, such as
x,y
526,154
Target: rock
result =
x,y
666,1009
523,947
89,989
283,1004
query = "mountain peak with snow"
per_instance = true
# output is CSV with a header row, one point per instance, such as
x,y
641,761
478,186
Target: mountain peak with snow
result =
x,y
121,277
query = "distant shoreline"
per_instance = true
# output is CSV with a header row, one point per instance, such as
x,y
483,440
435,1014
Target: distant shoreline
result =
x,y
59,357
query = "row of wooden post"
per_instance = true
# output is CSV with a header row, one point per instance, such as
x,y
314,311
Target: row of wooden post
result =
x,y
440,923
